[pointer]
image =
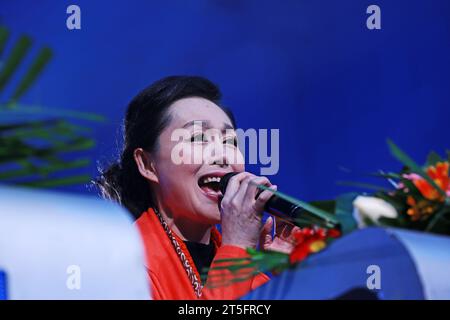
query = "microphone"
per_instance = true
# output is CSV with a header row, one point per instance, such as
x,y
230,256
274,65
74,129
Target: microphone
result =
x,y
279,207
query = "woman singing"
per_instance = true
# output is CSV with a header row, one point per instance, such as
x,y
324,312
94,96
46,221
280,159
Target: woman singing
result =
x,y
177,205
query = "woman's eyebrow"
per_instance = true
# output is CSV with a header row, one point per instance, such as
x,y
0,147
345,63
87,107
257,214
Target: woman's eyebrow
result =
x,y
206,124
194,122
227,126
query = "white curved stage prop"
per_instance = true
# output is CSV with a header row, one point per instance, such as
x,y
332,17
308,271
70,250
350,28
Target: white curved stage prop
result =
x,y
63,246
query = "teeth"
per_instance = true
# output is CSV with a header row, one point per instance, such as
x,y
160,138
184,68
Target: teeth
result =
x,y
211,179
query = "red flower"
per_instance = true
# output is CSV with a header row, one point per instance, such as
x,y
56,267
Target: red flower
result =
x,y
309,241
299,253
334,233
439,174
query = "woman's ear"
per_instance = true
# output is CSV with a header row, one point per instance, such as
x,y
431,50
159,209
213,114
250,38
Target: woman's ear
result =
x,y
145,165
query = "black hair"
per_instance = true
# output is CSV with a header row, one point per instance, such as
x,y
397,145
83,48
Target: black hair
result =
x,y
146,117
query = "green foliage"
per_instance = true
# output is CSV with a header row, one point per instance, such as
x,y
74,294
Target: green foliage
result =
x,y
344,212
433,158
37,150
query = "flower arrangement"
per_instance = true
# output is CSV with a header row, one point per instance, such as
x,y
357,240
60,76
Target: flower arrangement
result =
x,y
419,200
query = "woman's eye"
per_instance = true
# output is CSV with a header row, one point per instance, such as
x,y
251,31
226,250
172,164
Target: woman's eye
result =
x,y
199,137
231,140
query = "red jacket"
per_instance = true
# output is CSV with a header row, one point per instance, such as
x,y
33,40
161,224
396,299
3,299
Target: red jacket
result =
x,y
168,278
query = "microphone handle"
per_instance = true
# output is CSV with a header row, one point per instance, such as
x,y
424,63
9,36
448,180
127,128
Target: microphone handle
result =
x,y
283,209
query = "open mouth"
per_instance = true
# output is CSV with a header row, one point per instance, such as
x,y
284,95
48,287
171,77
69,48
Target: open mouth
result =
x,y
210,184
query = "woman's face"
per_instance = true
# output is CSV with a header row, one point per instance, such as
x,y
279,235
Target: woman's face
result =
x,y
198,146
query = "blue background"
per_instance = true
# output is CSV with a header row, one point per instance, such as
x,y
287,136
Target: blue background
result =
x,y
335,89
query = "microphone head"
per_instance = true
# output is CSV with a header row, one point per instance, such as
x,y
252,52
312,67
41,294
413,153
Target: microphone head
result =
x,y
224,181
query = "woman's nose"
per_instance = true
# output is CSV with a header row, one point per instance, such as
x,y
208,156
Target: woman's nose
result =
x,y
217,155
220,164
219,158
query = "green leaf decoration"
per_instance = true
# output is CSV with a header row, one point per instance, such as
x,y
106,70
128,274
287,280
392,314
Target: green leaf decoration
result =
x,y
35,140
16,57
438,216
388,175
433,158
326,205
43,170
4,34
24,110
58,182
367,186
242,269
444,222
344,212
34,71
